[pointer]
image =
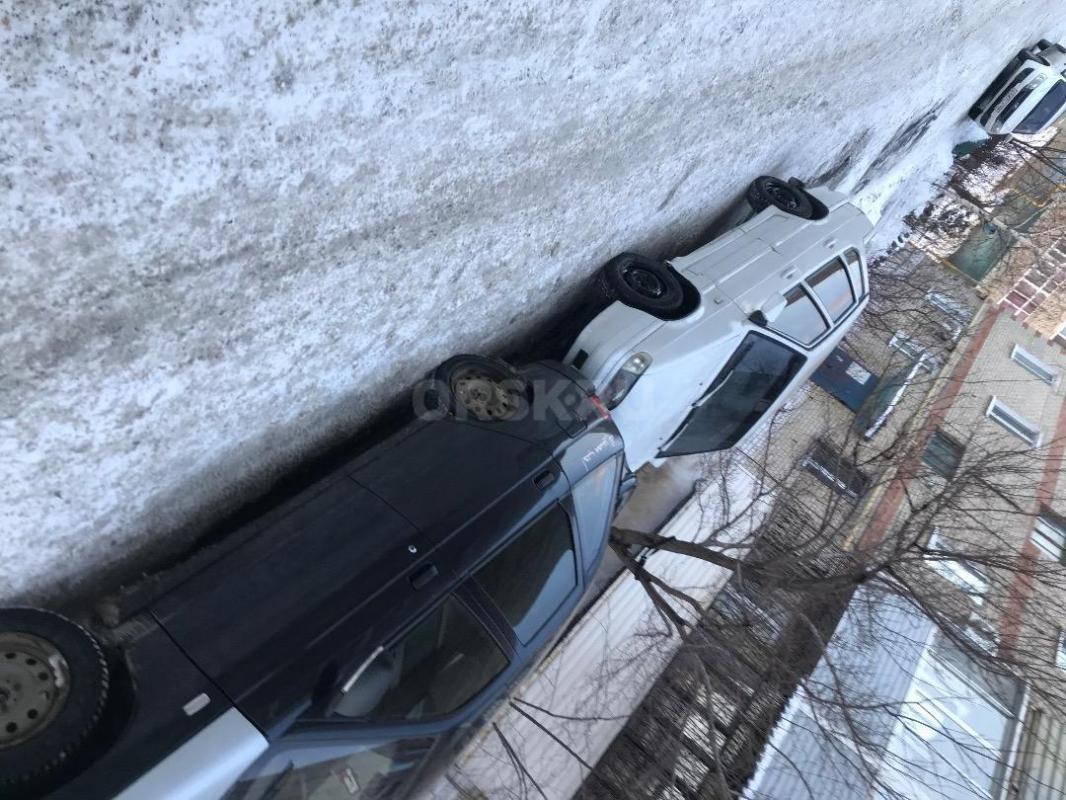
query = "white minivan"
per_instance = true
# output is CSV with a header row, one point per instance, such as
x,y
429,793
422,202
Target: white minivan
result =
x,y
1028,95
696,350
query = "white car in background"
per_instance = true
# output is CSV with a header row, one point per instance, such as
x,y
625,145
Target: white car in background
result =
x,y
696,350
1028,95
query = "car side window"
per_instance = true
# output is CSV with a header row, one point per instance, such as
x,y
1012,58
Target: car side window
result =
x,y
439,665
532,576
854,262
801,320
833,288
361,771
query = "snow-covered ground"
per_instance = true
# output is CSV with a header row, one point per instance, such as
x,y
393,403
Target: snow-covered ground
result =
x,y
231,233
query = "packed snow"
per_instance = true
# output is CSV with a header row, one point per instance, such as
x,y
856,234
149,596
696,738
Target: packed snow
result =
x,y
230,236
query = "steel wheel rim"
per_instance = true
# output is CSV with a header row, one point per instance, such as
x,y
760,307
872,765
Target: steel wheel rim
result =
x,y
644,281
485,396
782,195
34,686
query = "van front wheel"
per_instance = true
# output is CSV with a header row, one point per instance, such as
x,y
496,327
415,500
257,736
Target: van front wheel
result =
x,y
642,283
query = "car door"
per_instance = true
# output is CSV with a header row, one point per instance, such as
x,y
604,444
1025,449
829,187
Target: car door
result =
x,y
396,718
532,582
392,721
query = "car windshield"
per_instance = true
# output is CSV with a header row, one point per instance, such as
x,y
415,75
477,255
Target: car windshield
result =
x,y
440,664
746,387
1044,111
366,770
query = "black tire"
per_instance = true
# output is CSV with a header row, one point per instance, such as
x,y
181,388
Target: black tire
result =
x,y
1029,55
456,385
642,283
46,755
766,191
1044,44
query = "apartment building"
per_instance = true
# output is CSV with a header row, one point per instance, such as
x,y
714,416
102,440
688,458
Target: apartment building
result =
x,y
949,726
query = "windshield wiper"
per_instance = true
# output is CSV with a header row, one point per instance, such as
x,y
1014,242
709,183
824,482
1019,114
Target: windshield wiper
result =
x,y
722,381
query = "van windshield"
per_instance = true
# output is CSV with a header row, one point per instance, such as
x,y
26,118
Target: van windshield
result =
x,y
1044,111
756,375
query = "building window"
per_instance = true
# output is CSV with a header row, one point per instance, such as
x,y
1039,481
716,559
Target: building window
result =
x,y
1049,535
913,351
1013,422
943,454
906,345
960,572
980,634
1060,650
1047,374
835,471
958,315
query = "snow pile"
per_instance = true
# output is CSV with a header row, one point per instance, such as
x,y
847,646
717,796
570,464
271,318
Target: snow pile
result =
x,y
982,175
943,224
914,181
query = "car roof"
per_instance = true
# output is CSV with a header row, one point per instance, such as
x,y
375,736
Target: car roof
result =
x,y
798,249
245,617
328,577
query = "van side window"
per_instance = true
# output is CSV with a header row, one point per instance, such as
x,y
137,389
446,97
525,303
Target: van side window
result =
x,y
833,287
801,319
854,262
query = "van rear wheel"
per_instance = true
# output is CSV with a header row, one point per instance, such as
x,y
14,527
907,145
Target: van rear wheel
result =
x,y
766,191
54,682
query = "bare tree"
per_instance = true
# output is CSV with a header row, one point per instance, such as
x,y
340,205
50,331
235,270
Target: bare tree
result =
x,y
886,550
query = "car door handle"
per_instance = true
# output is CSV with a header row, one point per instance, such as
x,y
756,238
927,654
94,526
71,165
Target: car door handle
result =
x,y
424,576
544,479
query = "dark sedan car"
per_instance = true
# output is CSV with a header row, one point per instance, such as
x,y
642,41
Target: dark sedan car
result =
x,y
344,644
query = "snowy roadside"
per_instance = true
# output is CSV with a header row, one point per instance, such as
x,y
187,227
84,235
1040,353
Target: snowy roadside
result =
x,y
230,240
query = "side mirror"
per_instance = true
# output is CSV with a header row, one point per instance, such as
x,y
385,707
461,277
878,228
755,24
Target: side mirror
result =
x,y
770,310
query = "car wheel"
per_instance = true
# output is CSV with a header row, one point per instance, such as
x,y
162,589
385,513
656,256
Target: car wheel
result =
x,y
1032,55
1044,44
484,389
54,684
642,283
766,191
